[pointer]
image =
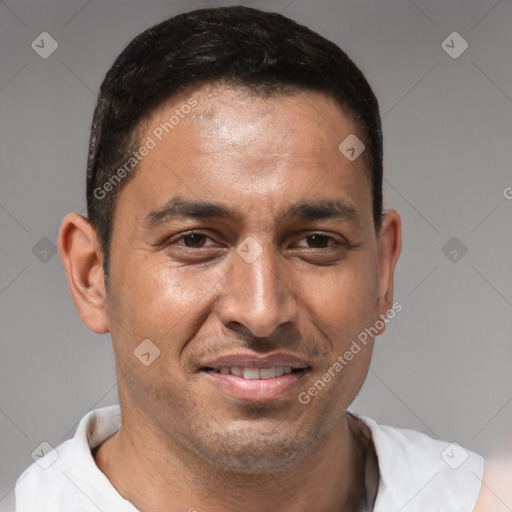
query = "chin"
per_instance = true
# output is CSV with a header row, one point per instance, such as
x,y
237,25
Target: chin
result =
x,y
253,450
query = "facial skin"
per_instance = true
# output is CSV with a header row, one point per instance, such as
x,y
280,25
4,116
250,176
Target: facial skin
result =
x,y
184,441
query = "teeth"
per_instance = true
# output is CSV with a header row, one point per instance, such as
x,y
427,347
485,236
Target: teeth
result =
x,y
237,370
252,373
267,373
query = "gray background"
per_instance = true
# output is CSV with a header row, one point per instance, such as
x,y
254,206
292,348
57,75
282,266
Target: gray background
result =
x,y
442,367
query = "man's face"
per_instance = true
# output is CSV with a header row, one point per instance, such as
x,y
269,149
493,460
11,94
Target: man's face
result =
x,y
282,273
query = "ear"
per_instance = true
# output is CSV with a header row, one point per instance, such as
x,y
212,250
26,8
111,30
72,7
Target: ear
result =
x,y
389,246
82,257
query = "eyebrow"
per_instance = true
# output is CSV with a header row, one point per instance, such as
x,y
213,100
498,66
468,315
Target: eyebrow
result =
x,y
180,208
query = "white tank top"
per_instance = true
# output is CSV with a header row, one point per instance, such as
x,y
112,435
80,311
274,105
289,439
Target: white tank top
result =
x,y
417,473
421,474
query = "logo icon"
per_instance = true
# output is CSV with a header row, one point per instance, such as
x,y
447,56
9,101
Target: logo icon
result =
x,y
146,352
249,249
454,455
351,147
44,45
454,45
44,250
454,249
44,455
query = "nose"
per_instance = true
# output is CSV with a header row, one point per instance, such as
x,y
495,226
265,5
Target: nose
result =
x,y
257,294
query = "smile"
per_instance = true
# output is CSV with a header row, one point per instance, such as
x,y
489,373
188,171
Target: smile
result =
x,y
252,373
251,384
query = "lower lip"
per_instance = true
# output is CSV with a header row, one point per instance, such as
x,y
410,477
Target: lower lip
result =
x,y
256,390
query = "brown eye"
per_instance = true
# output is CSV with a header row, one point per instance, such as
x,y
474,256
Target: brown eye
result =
x,y
318,241
194,240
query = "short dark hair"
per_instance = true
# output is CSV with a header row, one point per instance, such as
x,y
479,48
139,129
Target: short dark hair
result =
x,y
264,52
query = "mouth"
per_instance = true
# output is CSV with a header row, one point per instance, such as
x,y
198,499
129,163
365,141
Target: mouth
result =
x,y
254,373
256,380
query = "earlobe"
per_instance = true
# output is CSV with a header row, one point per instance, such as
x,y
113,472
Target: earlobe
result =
x,y
82,257
389,248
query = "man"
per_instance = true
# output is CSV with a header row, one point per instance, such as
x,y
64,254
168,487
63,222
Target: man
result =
x,y
237,253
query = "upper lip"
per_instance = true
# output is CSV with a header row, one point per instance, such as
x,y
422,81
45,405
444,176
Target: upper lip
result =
x,y
255,360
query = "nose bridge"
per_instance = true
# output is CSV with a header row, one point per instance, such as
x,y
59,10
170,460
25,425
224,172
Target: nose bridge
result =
x,y
256,293
260,275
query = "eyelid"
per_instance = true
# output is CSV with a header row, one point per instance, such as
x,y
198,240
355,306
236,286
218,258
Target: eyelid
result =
x,y
305,234
339,240
181,236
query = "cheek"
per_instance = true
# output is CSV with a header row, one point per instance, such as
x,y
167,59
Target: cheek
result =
x,y
152,301
158,301
345,300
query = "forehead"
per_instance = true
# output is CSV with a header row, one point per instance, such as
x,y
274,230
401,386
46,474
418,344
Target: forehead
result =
x,y
220,142
241,117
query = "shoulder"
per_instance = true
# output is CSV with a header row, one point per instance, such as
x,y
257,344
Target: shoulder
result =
x,y
66,477
419,473
496,492
44,483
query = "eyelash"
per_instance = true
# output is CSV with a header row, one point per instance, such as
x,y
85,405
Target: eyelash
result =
x,y
335,243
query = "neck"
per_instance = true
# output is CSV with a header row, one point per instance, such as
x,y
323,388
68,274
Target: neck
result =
x,y
155,473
